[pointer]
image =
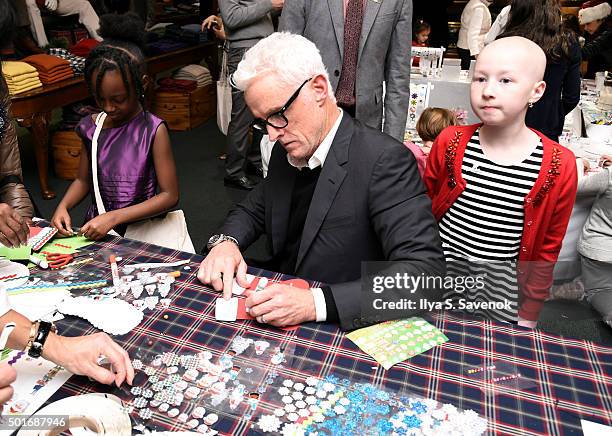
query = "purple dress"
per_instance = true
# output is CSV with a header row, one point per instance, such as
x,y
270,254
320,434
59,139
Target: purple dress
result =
x,y
126,173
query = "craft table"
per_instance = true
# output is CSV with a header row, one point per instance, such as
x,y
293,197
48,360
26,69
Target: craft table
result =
x,y
572,379
33,109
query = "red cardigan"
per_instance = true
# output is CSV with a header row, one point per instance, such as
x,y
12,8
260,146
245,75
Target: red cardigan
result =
x,y
548,207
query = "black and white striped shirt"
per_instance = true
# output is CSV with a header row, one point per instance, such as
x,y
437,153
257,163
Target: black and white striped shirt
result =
x,y
485,223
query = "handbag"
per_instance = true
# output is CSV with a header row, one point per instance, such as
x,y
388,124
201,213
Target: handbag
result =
x,y
224,96
167,231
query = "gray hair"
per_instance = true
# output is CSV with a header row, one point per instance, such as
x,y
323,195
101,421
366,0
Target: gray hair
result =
x,y
292,58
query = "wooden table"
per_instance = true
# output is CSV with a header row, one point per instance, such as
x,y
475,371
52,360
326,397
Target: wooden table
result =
x,y
33,109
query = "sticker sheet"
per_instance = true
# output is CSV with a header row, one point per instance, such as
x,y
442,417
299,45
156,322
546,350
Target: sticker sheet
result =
x,y
395,341
37,381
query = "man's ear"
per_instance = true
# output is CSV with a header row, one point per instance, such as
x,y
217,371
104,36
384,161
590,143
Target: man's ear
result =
x,y
321,87
538,91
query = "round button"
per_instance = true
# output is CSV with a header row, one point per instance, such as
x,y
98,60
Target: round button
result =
x,y
336,73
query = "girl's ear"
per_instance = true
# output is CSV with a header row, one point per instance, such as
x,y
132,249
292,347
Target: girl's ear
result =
x,y
146,82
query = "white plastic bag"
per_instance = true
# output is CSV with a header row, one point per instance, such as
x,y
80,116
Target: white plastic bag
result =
x,y
224,97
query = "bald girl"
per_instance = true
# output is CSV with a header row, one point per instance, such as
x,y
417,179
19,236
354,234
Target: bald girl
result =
x,y
507,79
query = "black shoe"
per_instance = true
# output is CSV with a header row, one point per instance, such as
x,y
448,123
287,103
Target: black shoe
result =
x,y
241,183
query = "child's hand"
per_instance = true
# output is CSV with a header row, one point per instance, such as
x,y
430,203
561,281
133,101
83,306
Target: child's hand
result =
x,y
62,222
98,227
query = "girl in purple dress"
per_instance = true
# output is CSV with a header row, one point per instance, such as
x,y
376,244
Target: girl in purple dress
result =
x,y
136,171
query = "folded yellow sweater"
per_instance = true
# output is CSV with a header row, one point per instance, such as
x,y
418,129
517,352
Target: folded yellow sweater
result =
x,y
25,83
21,77
13,69
22,90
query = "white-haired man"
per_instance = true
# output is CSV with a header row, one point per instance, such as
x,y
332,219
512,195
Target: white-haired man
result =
x,y
337,193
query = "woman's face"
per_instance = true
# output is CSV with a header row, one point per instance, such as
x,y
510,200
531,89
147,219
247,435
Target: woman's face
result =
x,y
592,27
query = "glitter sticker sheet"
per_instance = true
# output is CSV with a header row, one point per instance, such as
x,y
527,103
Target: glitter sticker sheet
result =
x,y
395,341
335,406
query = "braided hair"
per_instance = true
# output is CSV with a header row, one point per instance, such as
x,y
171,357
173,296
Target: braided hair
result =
x,y
122,50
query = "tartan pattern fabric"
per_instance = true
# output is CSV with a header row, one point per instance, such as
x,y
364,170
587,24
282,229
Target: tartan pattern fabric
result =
x,y
77,63
572,379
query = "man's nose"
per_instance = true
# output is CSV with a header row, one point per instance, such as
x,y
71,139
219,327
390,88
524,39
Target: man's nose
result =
x,y
274,133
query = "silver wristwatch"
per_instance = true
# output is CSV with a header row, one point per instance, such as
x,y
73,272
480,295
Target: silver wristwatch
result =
x,y
217,239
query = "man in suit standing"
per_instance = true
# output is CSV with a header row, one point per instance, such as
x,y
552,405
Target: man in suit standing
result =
x,y
338,193
245,22
363,44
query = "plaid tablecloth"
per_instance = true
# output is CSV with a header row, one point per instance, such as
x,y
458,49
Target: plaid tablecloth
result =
x,y
569,379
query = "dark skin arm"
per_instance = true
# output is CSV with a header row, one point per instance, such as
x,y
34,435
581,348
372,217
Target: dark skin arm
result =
x,y
77,191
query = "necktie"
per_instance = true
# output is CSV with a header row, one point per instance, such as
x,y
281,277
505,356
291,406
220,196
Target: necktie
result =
x,y
345,92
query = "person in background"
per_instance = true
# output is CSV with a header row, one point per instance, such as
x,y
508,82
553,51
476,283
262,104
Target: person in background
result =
x,y
501,192
595,244
421,37
364,45
475,23
540,22
498,25
215,23
594,15
245,23
431,122
87,16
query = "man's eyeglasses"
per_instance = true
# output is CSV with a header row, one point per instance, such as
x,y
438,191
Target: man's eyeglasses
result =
x,y
278,120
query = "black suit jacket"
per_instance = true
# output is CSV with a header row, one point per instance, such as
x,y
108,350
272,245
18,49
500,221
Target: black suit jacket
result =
x,y
369,204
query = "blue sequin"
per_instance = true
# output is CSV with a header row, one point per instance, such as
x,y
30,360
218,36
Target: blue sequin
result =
x,y
412,421
419,407
384,426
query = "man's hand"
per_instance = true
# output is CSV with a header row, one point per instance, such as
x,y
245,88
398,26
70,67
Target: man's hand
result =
x,y
62,222
605,160
219,267
7,376
278,4
13,227
98,227
281,305
80,355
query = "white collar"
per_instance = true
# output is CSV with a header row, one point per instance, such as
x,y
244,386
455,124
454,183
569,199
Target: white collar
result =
x,y
320,154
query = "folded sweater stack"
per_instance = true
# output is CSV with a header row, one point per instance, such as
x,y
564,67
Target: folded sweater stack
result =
x,y
51,69
20,77
194,72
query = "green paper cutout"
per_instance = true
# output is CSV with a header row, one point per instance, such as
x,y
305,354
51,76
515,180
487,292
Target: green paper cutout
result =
x,y
68,245
16,253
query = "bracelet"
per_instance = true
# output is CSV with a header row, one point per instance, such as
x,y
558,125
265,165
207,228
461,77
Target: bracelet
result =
x,y
44,328
33,330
